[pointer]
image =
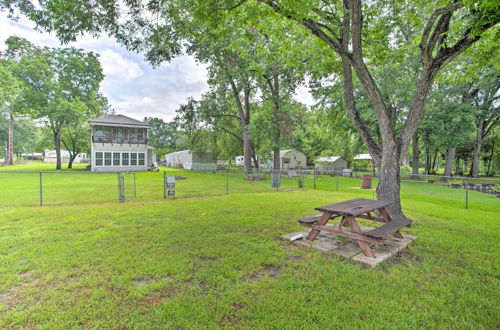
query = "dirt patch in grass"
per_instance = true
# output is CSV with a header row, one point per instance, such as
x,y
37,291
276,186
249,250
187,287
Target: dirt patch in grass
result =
x,y
402,257
297,259
140,281
272,271
233,320
161,295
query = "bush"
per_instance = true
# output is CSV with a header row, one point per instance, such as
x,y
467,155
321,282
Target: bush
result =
x,y
455,181
300,181
496,188
405,169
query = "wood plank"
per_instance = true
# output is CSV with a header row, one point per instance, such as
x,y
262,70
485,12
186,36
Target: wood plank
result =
x,y
346,233
367,251
315,218
322,221
388,229
353,207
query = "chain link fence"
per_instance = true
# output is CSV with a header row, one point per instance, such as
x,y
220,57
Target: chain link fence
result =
x,y
20,188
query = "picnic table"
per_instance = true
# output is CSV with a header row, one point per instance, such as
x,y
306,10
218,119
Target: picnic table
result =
x,y
350,210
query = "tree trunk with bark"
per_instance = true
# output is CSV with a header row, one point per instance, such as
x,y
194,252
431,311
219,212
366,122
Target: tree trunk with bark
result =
x,y
450,157
57,145
416,154
10,141
478,143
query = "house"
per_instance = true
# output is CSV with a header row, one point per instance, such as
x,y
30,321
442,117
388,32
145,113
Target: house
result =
x,y
292,159
239,160
363,157
120,143
50,156
199,161
330,164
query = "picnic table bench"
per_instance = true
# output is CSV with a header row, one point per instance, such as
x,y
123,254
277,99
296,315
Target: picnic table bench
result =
x,y
350,210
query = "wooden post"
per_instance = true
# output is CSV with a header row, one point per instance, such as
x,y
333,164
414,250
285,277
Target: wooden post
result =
x,y
41,193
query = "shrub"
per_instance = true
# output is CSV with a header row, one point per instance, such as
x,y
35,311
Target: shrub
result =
x,y
455,181
496,188
405,169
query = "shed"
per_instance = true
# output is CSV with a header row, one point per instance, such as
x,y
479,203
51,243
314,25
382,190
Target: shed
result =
x,y
200,161
292,159
330,164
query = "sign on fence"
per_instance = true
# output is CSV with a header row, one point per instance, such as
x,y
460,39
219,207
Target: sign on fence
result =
x,y
169,186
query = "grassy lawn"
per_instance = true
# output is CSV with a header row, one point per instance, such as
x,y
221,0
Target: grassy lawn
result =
x,y
218,261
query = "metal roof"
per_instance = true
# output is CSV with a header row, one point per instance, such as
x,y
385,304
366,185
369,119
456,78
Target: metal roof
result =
x,y
284,152
363,157
119,120
328,159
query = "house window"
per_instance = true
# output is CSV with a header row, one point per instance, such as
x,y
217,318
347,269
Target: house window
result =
x,y
107,158
124,158
99,131
286,160
133,159
98,159
140,134
142,158
116,159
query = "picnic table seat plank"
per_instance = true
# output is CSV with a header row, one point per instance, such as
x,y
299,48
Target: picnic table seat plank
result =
x,y
315,218
389,228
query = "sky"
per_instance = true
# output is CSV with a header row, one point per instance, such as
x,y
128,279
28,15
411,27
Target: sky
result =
x,y
132,86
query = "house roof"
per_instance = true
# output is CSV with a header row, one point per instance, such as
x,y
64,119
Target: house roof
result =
x,y
328,159
363,157
119,120
284,152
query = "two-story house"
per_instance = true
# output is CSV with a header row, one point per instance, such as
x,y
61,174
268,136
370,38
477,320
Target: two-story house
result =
x,y
120,143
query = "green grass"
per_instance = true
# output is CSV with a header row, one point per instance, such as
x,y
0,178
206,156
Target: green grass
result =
x,y
218,261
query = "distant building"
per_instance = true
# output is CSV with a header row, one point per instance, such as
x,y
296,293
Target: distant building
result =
x,y
292,159
330,164
239,160
200,161
32,156
120,143
50,156
363,157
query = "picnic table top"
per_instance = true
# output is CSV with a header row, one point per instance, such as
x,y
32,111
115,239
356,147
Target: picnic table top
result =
x,y
353,207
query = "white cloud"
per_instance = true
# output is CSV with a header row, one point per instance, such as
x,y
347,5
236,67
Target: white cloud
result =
x,y
117,67
303,95
146,99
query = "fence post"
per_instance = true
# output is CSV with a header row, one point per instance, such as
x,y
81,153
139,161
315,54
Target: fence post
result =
x,y
227,182
466,198
135,194
41,193
164,184
121,187
337,176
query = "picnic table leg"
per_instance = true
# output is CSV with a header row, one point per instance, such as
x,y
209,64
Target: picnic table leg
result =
x,y
322,221
387,218
365,247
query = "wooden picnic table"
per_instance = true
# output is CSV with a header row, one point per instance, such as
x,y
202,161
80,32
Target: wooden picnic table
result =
x,y
350,210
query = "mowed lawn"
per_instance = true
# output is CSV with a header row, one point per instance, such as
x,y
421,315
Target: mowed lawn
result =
x,y
219,261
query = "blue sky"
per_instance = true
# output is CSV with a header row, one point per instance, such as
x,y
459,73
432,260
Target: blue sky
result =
x,y
131,85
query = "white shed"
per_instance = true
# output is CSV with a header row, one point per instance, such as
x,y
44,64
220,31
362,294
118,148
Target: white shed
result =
x,y
292,159
330,164
201,161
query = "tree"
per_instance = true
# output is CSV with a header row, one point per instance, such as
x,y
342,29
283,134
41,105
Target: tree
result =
x,y
484,97
10,100
61,85
363,37
446,33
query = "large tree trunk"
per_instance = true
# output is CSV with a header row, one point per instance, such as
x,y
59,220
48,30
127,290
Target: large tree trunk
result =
x,y
450,157
490,158
10,141
72,158
57,144
247,151
388,188
474,171
416,154
427,160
